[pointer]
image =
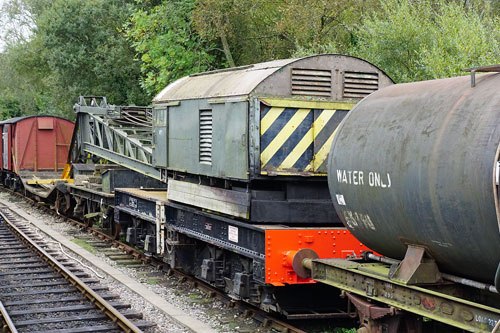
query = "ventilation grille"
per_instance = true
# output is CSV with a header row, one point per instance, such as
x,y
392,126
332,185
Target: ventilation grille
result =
x,y
359,85
206,136
312,82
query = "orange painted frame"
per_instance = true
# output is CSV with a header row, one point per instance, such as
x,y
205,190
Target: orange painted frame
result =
x,y
326,242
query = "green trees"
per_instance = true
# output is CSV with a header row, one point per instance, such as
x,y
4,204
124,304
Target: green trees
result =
x,y
420,40
128,50
86,51
244,30
75,47
167,46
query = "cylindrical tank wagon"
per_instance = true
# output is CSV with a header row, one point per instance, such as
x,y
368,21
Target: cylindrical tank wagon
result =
x,y
418,164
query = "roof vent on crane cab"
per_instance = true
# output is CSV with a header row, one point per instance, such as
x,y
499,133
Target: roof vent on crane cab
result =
x,y
311,82
359,85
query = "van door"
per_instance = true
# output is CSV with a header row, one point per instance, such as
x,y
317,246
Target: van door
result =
x,y
5,147
160,136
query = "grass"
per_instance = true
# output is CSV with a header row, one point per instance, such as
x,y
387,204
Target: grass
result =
x,y
232,325
84,244
345,330
152,281
199,299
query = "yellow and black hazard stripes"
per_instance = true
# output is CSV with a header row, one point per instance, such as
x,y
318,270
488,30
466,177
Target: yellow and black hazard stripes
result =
x,y
296,140
323,138
282,135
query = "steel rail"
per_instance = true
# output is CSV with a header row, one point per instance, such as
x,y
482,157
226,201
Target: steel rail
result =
x,y
8,325
258,314
110,311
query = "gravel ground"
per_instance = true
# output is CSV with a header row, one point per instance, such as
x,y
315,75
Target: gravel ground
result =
x,y
182,295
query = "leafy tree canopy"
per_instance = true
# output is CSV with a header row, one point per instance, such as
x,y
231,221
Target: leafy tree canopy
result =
x,y
421,40
167,46
75,47
129,50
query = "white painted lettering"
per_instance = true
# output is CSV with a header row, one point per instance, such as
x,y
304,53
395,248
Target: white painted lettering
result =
x,y
377,179
339,176
350,220
356,177
371,179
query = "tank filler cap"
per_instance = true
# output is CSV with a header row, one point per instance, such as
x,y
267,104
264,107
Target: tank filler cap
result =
x,y
484,69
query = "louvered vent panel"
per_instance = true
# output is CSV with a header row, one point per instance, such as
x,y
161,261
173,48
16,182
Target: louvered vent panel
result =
x,y
206,136
311,82
359,85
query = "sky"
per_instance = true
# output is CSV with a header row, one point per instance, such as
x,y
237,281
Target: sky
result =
x,y
4,25
2,28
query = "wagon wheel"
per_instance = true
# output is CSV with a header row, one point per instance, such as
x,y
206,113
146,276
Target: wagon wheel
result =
x,y
63,203
88,220
115,230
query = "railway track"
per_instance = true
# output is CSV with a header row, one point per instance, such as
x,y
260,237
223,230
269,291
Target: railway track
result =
x,y
42,293
248,310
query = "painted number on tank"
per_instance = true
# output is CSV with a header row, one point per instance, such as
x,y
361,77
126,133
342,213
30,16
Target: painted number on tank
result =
x,y
362,178
355,220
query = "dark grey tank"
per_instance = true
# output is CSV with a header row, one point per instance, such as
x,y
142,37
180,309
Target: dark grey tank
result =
x,y
417,164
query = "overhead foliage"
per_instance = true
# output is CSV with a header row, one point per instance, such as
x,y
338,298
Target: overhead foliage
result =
x,y
86,51
167,46
74,47
315,23
245,30
129,50
419,40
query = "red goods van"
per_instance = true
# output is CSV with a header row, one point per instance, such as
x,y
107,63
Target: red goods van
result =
x,y
34,145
